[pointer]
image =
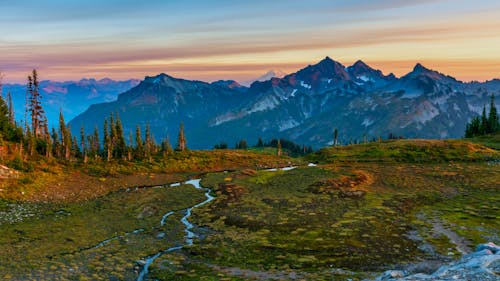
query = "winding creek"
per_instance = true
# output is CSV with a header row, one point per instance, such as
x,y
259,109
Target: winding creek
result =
x,y
190,235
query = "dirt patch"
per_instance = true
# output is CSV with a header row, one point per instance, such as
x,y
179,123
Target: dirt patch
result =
x,y
7,173
462,244
79,186
257,275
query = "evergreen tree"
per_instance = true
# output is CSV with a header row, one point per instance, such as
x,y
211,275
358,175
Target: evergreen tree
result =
x,y
493,120
4,118
242,144
107,140
11,108
260,143
335,137
38,119
181,140
96,145
82,144
112,134
166,147
66,138
121,146
147,143
56,145
129,146
484,122
75,148
139,150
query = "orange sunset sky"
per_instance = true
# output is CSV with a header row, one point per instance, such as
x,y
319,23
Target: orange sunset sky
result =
x,y
241,40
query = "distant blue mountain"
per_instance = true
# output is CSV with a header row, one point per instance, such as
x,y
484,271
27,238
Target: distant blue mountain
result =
x,y
72,97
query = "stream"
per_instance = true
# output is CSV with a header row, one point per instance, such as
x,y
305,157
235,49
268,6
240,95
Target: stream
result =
x,y
190,235
188,227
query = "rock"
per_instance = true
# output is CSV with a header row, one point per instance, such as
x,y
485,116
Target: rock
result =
x,y
489,246
391,275
482,265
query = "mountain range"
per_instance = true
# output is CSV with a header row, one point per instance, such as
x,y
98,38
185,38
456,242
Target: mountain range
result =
x,y
305,106
72,97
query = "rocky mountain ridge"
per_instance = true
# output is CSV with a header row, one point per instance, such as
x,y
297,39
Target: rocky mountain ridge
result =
x,y
304,106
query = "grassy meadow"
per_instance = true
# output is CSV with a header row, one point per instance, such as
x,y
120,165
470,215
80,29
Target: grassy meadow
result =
x,y
363,209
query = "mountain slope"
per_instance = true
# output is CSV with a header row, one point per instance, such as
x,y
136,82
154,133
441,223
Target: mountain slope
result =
x,y
304,106
163,102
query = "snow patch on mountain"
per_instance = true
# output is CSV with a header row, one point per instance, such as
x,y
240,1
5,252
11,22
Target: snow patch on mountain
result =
x,y
367,122
288,124
267,103
365,78
305,85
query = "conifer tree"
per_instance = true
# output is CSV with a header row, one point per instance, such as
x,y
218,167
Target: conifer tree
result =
x,y
107,140
11,109
56,146
38,119
66,138
260,143
29,90
139,149
82,144
147,143
335,137
121,146
181,140
96,145
484,122
166,147
129,146
242,144
112,135
493,122
5,124
75,148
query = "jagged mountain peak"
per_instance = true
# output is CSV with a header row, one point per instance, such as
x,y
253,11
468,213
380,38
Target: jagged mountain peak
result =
x,y
328,62
419,68
326,68
362,72
229,84
421,71
359,64
360,67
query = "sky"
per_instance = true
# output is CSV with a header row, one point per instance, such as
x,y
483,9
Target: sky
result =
x,y
241,40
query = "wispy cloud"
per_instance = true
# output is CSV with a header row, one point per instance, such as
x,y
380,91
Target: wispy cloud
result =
x,y
113,38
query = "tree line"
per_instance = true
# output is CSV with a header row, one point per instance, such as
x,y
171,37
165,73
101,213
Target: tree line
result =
x,y
291,148
484,124
33,138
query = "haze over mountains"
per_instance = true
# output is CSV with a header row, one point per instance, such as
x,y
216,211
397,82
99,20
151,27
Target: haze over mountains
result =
x,y
304,107
72,97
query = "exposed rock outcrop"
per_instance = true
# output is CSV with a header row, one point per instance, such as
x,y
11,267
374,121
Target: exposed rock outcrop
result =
x,y
481,265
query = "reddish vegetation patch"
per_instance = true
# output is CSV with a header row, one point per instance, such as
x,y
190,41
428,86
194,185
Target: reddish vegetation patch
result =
x,y
345,186
233,192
